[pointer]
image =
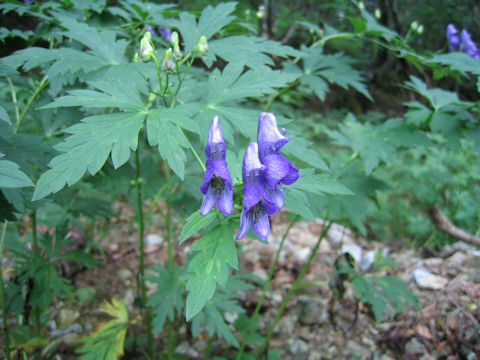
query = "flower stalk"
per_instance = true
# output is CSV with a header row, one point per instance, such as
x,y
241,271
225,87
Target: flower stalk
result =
x,y
6,335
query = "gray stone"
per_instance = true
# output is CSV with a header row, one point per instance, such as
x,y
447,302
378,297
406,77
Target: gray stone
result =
x,y
286,325
73,328
415,347
426,280
52,325
457,260
357,349
261,273
312,310
367,261
302,254
298,347
125,274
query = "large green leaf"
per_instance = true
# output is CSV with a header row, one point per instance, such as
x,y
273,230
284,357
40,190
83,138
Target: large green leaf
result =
x,y
215,251
88,147
197,222
212,20
319,184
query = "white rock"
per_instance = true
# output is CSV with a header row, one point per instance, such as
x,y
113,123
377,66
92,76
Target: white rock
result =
x,y
261,273
303,254
354,250
153,240
367,261
231,317
427,280
298,347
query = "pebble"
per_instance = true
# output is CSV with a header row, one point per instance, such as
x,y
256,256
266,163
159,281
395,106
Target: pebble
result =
x,y
354,250
261,273
298,347
153,240
312,310
67,317
286,325
415,347
124,274
426,280
75,328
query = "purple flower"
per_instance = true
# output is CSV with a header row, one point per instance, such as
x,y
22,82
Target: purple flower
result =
x,y
151,30
256,207
468,46
452,37
278,170
165,32
217,185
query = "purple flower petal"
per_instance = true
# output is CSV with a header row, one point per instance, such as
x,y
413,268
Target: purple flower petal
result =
x,y
208,201
261,227
245,223
253,194
292,175
277,169
216,147
225,201
165,32
270,139
276,196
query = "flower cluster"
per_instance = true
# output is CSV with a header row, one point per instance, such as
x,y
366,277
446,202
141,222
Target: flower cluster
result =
x,y
163,31
264,171
463,42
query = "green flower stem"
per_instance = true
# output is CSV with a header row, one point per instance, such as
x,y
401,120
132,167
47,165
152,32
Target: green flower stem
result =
x,y
266,286
182,79
43,83
282,91
141,230
170,343
208,350
168,225
14,98
296,286
36,310
6,335
195,155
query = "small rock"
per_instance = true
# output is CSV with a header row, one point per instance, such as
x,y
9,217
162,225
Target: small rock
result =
x,y
67,317
386,357
354,250
286,325
185,349
473,259
70,338
315,355
261,273
298,347
129,299
74,328
367,261
357,349
303,254
415,347
52,325
312,310
457,260
427,280
200,346
153,240
324,247
125,274
231,317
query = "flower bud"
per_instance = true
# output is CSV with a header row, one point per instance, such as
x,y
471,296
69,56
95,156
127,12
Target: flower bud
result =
x,y
146,48
377,14
202,46
168,64
420,29
361,5
174,38
414,25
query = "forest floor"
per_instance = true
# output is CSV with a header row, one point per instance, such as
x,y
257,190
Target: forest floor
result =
x,y
444,326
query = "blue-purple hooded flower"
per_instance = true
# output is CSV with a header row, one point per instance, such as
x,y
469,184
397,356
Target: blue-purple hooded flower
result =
x,y
165,32
468,46
217,185
278,170
256,207
452,37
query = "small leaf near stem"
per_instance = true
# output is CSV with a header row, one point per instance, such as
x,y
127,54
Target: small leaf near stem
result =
x,y
43,83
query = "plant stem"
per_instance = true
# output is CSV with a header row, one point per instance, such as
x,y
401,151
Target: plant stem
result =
x,y
266,285
6,335
14,98
36,310
208,350
170,343
141,229
282,91
294,288
43,83
168,224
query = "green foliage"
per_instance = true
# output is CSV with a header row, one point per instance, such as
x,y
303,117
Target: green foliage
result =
x,y
167,298
107,341
195,223
215,253
11,176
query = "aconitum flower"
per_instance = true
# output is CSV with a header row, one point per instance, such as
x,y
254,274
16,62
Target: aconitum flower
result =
x,y
468,46
217,185
452,37
151,30
256,207
278,170
165,32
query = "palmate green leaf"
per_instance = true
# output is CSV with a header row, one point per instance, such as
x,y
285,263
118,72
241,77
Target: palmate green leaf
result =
x,y
168,296
232,85
384,292
115,94
6,33
215,252
377,143
4,115
297,201
169,138
107,341
223,301
212,20
11,176
319,184
249,51
102,44
334,68
457,61
197,222
88,147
